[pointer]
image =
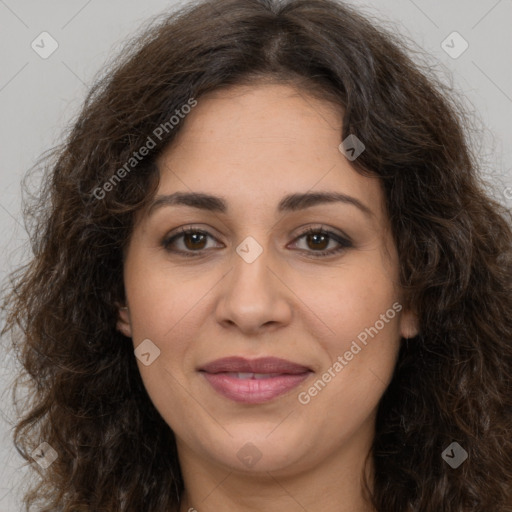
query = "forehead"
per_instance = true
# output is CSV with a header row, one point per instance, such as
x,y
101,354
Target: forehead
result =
x,y
259,143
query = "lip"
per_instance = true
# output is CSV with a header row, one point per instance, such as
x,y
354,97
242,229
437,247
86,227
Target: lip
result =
x,y
259,365
283,376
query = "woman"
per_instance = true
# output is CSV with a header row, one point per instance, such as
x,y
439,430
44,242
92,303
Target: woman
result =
x,y
267,277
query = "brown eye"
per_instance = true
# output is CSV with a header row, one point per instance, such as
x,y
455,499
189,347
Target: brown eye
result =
x,y
194,240
187,242
318,239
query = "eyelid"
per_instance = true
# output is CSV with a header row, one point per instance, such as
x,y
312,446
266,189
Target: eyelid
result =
x,y
344,241
183,230
324,229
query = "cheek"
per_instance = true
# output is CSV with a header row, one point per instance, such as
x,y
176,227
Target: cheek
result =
x,y
163,309
361,357
363,315
167,307
356,297
162,301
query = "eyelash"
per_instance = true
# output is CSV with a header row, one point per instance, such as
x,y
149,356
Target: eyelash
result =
x,y
344,242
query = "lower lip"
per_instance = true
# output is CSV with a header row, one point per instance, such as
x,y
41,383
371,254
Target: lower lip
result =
x,y
253,391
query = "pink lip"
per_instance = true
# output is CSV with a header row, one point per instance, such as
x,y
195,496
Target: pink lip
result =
x,y
283,376
260,365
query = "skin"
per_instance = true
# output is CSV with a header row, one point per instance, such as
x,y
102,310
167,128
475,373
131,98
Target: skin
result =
x,y
252,145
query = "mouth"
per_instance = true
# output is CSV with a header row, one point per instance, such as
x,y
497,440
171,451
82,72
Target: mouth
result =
x,y
253,381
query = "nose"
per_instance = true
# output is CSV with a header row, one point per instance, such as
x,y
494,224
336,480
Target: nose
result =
x,y
254,296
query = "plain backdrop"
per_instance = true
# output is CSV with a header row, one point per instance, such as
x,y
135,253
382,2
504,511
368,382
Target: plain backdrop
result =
x,y
39,98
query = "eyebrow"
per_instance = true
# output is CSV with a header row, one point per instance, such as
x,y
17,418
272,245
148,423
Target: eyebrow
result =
x,y
292,202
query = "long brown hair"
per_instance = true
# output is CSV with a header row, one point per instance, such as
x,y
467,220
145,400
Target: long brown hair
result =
x,y
452,383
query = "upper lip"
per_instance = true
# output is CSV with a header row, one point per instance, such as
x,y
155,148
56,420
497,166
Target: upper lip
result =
x,y
261,365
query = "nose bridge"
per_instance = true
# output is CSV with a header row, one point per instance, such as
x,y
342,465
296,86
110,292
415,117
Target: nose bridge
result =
x,y
252,295
250,272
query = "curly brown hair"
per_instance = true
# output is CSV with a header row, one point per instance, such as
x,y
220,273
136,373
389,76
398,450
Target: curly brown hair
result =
x,y
452,383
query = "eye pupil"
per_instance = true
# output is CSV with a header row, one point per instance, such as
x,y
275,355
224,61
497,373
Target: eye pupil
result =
x,y
315,238
196,238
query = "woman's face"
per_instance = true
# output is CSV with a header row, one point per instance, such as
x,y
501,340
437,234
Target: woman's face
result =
x,y
247,283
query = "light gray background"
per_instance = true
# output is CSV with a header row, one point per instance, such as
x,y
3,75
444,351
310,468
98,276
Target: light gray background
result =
x,y
39,98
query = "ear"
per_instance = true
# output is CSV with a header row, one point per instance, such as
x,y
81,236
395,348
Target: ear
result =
x,y
123,324
409,324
